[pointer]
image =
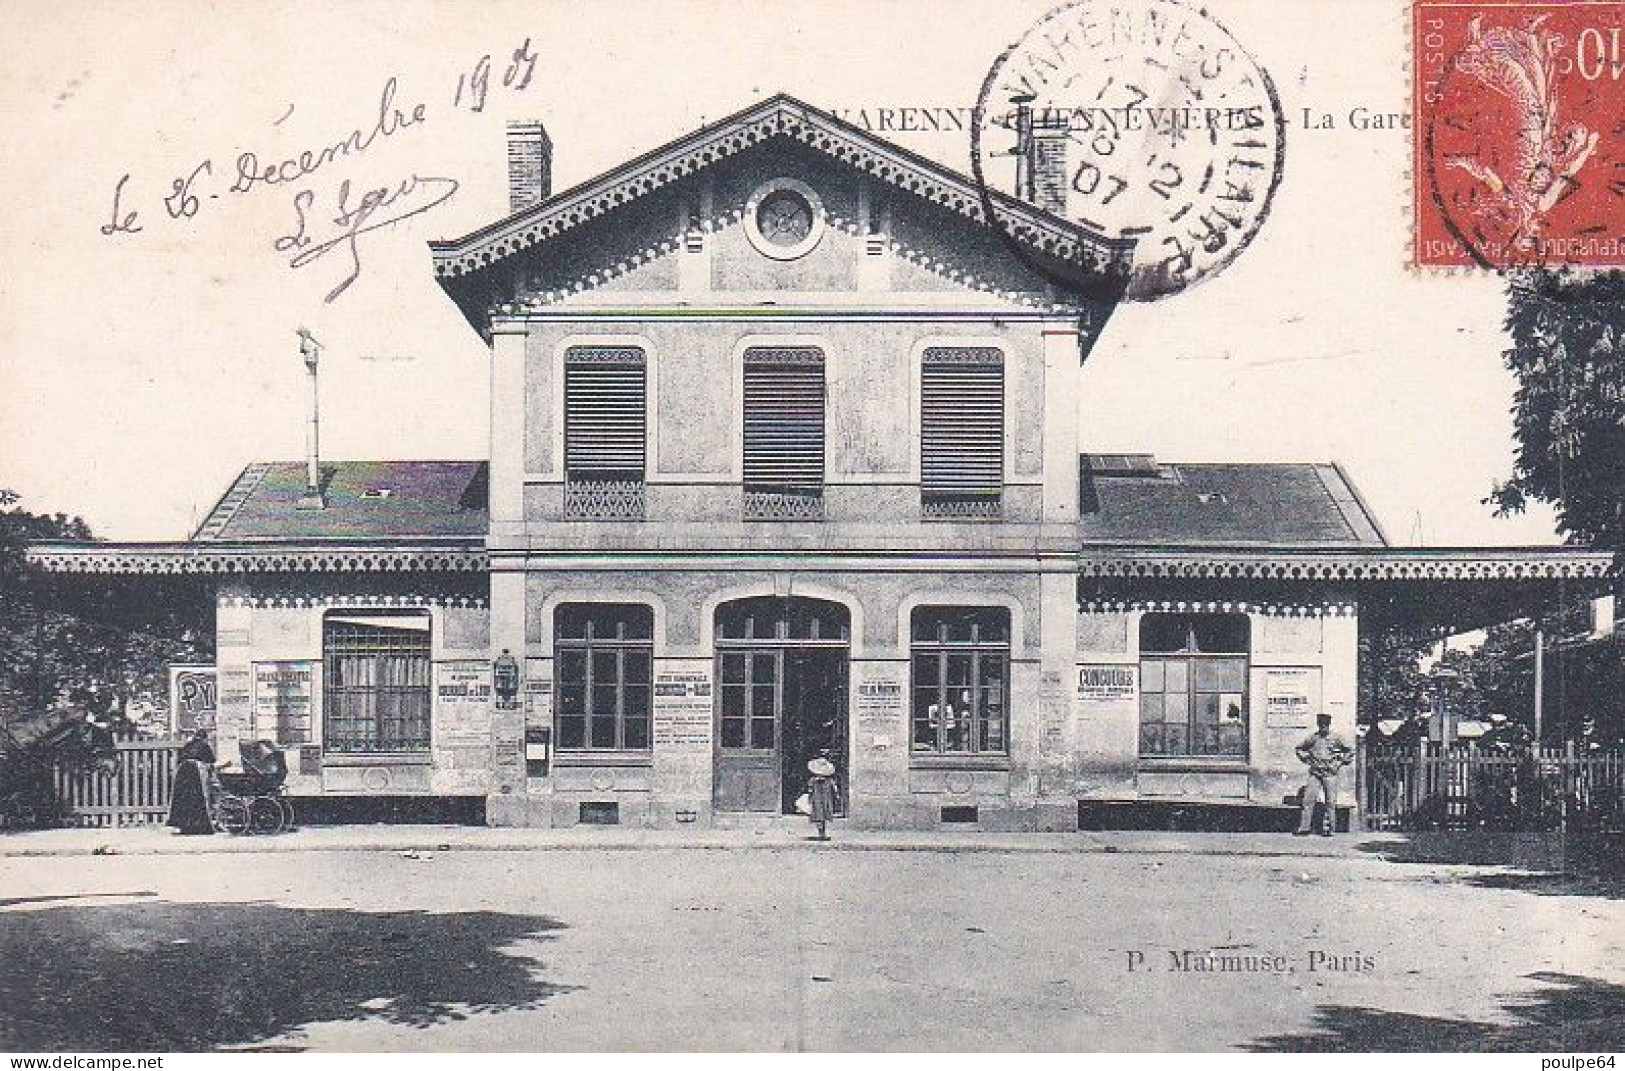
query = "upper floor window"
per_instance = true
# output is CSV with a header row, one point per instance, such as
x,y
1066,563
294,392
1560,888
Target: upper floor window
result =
x,y
1193,685
962,432
961,679
375,684
605,447
603,667
784,433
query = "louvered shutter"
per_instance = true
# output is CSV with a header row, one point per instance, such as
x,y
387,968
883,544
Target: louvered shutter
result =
x,y
962,423
604,400
784,419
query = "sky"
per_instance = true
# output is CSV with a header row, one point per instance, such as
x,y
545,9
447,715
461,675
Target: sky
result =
x,y
141,369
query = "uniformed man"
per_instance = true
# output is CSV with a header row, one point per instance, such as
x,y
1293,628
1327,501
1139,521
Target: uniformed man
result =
x,y
1325,753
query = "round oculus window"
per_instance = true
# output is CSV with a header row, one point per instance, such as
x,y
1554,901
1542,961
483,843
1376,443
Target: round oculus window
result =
x,y
784,219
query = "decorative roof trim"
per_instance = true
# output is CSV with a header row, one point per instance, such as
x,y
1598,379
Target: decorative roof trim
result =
x,y
1376,564
1218,606
225,558
779,116
347,600
1064,320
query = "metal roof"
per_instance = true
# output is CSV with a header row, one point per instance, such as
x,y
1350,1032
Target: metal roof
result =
x,y
1129,500
365,500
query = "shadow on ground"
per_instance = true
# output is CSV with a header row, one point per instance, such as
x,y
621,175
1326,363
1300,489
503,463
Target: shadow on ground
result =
x,y
14,901
1572,1014
1552,864
196,977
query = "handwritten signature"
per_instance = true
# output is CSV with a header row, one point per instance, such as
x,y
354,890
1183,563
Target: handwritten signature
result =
x,y
379,207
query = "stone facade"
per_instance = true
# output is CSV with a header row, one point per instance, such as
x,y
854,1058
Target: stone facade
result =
x,y
682,276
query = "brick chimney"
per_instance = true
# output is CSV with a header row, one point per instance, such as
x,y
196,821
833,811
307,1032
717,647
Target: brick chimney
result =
x,y
1040,152
530,164
1049,141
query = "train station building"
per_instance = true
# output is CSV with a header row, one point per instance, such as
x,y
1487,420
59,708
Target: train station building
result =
x,y
784,461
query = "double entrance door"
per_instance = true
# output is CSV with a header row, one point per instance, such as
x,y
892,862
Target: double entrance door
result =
x,y
781,701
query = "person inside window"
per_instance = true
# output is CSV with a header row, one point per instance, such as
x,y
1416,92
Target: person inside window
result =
x,y
944,724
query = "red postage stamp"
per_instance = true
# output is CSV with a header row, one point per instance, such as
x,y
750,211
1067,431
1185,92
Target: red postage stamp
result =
x,y
1519,133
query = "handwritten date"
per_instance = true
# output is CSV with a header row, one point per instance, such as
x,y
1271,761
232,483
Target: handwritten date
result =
x,y
351,210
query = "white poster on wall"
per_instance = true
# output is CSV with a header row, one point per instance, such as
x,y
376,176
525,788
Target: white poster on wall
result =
x,y
193,698
462,703
881,708
1108,683
284,695
1291,697
683,706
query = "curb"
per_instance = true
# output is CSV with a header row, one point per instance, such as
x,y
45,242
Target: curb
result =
x,y
431,848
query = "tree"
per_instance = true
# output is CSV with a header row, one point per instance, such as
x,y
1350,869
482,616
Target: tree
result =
x,y
89,648
1568,354
1395,685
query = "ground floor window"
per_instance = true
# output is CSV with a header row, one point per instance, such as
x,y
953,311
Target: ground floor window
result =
x,y
603,668
1193,685
375,687
961,678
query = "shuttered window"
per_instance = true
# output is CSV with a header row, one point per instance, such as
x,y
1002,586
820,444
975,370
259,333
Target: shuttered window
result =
x,y
962,431
784,433
605,397
604,400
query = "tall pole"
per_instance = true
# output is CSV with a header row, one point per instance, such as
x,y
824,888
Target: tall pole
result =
x,y
1023,152
313,435
1540,679
311,350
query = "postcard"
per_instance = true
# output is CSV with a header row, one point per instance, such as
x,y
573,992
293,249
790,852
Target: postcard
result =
x,y
941,525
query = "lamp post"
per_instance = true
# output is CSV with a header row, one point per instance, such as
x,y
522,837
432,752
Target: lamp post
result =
x,y
505,679
1442,679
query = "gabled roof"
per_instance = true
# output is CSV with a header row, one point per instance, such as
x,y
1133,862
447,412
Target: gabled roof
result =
x,y
1130,500
364,500
780,116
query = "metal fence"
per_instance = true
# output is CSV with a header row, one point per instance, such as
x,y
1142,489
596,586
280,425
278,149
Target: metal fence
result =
x,y
136,792
1426,786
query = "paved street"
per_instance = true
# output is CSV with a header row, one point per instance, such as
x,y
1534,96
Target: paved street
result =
x,y
773,944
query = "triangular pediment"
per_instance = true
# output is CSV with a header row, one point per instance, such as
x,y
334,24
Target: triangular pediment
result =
x,y
627,227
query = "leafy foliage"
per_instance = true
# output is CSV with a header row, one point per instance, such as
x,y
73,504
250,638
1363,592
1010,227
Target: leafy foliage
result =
x,y
1396,687
88,647
1568,354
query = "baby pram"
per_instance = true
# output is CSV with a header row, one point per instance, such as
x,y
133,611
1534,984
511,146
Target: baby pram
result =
x,y
250,800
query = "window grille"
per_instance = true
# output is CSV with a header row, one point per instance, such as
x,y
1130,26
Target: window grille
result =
x,y
961,680
784,434
605,447
962,432
603,670
375,687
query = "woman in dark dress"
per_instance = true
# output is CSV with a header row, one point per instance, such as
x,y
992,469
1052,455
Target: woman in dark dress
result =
x,y
189,804
821,793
